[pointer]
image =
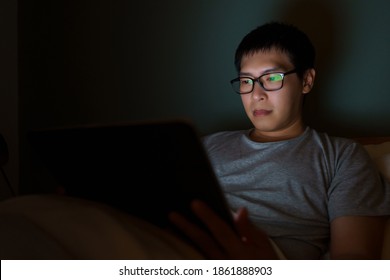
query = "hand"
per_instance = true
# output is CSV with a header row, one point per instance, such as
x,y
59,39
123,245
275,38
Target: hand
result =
x,y
222,242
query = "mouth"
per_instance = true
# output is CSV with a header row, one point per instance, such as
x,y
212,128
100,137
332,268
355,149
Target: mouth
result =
x,y
261,112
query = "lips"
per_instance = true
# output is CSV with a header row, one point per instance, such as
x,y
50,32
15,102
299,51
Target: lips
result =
x,y
261,112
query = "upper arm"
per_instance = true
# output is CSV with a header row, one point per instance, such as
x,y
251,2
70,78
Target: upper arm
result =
x,y
357,237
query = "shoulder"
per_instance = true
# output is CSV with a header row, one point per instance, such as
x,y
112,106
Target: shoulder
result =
x,y
337,151
334,144
326,139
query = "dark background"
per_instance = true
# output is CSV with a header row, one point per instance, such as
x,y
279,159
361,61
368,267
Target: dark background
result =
x,y
96,61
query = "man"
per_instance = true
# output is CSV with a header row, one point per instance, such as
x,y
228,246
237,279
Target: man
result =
x,y
297,193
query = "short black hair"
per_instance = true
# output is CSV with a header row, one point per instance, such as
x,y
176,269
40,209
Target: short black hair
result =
x,y
280,36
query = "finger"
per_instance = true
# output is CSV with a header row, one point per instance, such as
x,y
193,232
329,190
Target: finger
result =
x,y
226,237
253,238
201,239
244,226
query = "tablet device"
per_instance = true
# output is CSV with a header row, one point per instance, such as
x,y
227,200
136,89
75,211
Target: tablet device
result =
x,y
145,168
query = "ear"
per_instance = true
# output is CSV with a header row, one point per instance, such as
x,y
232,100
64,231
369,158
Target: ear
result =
x,y
308,80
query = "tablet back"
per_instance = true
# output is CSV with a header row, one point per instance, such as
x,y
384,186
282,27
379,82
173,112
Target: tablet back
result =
x,y
146,169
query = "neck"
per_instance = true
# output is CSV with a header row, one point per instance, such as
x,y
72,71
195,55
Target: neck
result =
x,y
258,135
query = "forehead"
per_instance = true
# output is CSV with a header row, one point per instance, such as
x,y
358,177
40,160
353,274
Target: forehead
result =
x,y
272,58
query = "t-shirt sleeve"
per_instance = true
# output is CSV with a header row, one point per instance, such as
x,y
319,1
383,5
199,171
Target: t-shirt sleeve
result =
x,y
357,188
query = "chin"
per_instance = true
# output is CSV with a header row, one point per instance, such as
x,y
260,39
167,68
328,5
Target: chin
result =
x,y
264,126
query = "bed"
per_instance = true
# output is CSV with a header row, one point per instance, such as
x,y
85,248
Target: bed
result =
x,y
61,227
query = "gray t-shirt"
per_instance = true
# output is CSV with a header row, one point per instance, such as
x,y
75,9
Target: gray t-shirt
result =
x,y
293,189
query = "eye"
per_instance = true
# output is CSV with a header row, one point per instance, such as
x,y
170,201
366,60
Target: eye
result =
x,y
246,81
275,77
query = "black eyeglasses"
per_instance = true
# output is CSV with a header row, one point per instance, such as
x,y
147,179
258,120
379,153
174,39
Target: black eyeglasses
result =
x,y
269,82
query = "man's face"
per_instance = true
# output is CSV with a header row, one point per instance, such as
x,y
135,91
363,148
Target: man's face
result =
x,y
279,112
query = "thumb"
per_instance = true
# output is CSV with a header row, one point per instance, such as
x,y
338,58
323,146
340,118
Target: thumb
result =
x,y
244,226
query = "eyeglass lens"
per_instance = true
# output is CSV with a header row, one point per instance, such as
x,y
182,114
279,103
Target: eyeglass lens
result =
x,y
271,81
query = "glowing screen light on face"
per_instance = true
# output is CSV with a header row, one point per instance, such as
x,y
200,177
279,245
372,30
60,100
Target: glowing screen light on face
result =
x,y
275,77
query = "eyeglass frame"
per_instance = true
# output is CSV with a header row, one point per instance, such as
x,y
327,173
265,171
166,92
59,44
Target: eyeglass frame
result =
x,y
254,80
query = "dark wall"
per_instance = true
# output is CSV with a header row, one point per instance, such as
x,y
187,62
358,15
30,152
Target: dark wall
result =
x,y
98,61
104,61
9,96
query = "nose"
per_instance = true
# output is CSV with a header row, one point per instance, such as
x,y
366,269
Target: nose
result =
x,y
258,92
